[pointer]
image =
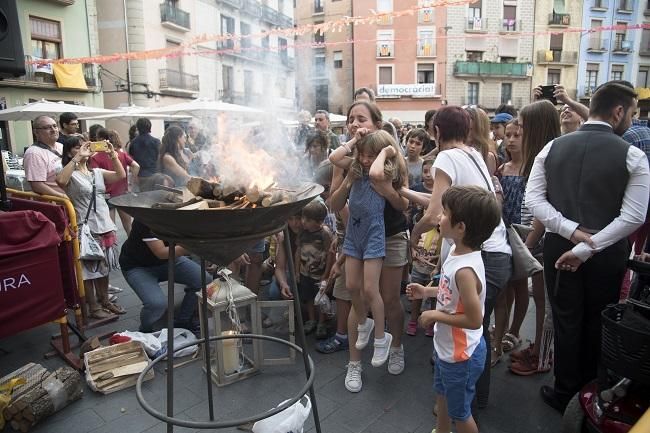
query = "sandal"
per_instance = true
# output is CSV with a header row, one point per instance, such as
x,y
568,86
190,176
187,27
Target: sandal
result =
x,y
510,342
100,313
495,357
114,308
527,366
517,355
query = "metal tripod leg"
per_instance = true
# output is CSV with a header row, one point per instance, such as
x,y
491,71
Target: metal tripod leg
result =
x,y
171,257
206,346
300,327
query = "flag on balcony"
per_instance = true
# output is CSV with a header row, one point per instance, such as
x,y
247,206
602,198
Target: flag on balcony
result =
x,y
643,92
43,68
548,55
69,76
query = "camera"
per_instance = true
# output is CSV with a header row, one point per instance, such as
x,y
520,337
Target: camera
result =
x,y
547,93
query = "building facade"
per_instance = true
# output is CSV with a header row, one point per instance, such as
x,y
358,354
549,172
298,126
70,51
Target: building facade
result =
x,y
50,29
247,71
641,61
606,55
324,59
555,56
402,59
490,53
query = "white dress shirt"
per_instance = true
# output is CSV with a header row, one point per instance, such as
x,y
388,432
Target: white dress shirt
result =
x,y
633,209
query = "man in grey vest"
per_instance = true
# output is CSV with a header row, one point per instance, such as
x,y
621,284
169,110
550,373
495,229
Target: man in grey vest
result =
x,y
590,190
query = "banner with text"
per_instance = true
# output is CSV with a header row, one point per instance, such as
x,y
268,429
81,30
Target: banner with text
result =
x,y
427,89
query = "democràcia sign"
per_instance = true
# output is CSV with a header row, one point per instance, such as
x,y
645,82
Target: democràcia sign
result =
x,y
427,89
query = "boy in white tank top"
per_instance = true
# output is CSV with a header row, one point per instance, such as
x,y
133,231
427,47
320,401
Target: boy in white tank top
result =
x,y
469,216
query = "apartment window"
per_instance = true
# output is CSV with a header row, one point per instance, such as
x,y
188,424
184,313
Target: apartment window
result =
x,y
266,41
174,63
559,7
506,93
227,78
322,97
505,59
620,38
553,76
46,38
245,30
425,15
475,10
644,49
426,73
319,36
643,77
509,18
385,6
592,75
318,6
472,93
617,72
426,42
385,75
338,59
385,43
557,42
282,48
319,65
474,56
228,27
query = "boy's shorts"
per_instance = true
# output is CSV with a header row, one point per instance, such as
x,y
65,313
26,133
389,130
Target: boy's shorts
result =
x,y
307,289
456,381
420,278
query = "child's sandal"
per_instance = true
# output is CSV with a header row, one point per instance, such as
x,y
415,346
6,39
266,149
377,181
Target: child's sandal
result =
x,y
510,342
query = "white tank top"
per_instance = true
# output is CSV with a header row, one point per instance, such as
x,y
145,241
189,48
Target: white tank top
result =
x,y
457,344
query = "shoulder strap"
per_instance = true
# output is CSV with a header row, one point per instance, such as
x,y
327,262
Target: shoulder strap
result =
x,y
46,147
93,200
487,183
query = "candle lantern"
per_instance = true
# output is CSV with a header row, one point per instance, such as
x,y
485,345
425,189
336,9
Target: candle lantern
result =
x,y
229,361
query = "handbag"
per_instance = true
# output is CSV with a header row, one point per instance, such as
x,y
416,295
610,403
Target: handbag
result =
x,y
89,249
524,264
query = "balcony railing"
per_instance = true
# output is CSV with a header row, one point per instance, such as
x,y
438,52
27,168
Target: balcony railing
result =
x,y
252,7
490,69
557,56
270,15
510,25
599,5
177,17
385,49
474,24
237,4
559,19
624,6
426,48
35,78
426,16
173,79
597,45
585,91
621,46
285,21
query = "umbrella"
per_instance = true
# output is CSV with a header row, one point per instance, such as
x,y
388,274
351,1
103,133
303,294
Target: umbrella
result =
x,y
133,112
203,107
34,109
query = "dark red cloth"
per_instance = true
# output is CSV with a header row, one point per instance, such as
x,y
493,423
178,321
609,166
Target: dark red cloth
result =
x,y
103,160
56,213
30,282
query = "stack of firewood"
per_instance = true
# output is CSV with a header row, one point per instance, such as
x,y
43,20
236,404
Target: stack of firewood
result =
x,y
202,194
44,394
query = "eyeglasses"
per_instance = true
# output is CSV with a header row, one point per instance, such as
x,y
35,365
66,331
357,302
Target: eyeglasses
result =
x,y
50,127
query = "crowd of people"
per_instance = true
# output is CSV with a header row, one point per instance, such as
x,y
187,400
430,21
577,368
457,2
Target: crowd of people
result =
x,y
420,210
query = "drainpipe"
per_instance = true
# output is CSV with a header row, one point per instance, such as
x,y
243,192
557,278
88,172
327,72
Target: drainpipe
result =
x,y
128,62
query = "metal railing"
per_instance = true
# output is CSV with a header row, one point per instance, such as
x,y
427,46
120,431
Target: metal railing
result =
x,y
585,91
474,24
234,3
270,15
559,19
32,74
622,46
285,21
173,79
426,16
426,48
174,15
490,69
385,49
597,44
557,56
252,7
510,25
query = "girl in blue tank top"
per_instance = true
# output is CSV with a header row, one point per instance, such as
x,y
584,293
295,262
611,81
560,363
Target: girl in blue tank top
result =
x,y
376,157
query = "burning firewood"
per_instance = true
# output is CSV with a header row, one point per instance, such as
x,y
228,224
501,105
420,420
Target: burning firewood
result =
x,y
177,205
201,187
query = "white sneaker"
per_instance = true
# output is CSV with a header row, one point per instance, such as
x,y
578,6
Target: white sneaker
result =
x,y
396,360
380,356
353,377
364,333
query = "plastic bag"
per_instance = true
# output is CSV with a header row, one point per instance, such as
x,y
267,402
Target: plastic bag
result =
x,y
150,342
89,249
323,302
290,420
181,336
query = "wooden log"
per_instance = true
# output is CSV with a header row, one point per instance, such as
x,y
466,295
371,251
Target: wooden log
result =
x,y
201,187
202,204
272,198
214,204
176,205
40,402
253,194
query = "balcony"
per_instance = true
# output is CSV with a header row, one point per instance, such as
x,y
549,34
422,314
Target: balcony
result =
x,y
33,78
490,69
237,4
173,80
476,25
599,5
385,49
624,7
285,21
252,8
174,18
586,91
597,45
510,25
270,15
426,48
559,20
557,57
426,16
621,46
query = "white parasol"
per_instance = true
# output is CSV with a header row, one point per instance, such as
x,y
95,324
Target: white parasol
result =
x,y
46,108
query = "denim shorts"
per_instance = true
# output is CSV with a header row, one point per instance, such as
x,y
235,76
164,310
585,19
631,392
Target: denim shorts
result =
x,y
456,381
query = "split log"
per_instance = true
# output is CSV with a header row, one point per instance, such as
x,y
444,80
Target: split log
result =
x,y
176,205
272,198
55,393
201,187
201,204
